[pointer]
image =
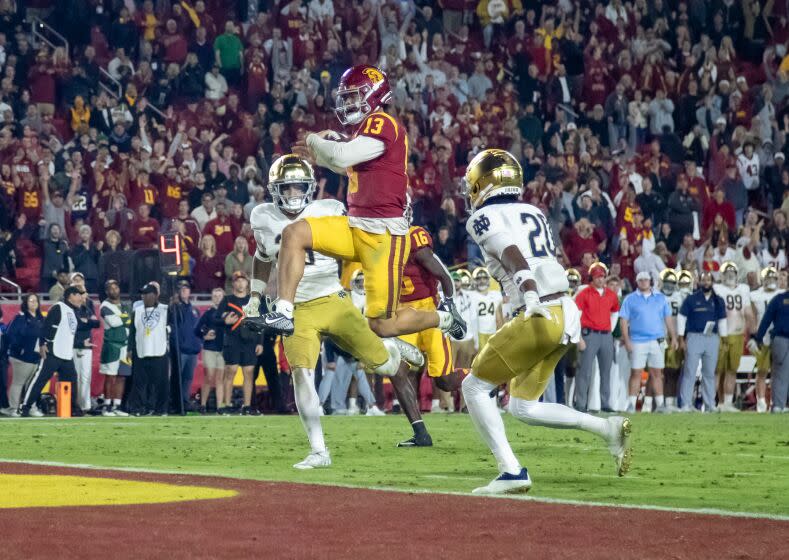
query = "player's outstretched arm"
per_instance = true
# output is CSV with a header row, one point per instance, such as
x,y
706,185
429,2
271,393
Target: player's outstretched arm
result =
x,y
428,259
341,155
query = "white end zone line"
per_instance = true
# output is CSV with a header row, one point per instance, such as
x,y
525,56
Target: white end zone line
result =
x,y
526,498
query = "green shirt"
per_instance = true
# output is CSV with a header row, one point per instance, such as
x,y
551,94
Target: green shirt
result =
x,y
230,49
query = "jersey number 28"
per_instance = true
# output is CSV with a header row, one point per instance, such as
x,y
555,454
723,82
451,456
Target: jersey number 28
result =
x,y
540,238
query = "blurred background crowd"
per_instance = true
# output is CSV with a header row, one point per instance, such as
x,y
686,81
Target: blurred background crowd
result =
x,y
652,133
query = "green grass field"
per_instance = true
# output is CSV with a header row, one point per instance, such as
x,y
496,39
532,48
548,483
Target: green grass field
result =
x,y
737,463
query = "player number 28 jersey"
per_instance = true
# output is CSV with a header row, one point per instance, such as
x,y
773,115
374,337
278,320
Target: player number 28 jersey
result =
x,y
525,226
320,273
737,299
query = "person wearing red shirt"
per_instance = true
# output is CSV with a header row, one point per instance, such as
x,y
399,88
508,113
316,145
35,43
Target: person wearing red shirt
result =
x,y
29,200
246,139
222,229
142,191
584,238
170,192
697,185
718,205
174,44
599,308
144,229
257,79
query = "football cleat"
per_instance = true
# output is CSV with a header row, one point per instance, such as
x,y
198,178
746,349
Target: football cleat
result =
x,y
619,443
272,322
314,461
374,411
507,483
409,353
458,328
417,441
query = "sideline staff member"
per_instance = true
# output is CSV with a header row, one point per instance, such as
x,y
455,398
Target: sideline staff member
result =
x,y
599,313
150,392
777,314
57,348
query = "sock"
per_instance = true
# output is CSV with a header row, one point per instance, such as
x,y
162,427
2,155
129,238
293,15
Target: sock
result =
x,y
444,320
660,402
116,402
728,398
308,405
435,403
671,401
488,421
419,428
554,415
285,307
395,402
631,401
647,405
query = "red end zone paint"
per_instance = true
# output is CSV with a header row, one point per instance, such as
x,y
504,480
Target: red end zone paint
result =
x,y
272,520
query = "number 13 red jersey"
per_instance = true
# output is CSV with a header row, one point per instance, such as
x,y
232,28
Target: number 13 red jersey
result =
x,y
377,188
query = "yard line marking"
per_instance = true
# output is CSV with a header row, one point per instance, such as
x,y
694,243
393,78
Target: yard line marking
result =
x,y
759,456
537,499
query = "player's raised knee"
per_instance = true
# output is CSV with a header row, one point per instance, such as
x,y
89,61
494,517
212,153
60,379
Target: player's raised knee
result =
x,y
297,234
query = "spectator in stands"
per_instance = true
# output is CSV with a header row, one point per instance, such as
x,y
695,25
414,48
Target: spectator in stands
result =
x,y
144,229
223,229
210,329
205,212
238,260
85,257
63,281
55,251
184,318
229,54
208,272
22,340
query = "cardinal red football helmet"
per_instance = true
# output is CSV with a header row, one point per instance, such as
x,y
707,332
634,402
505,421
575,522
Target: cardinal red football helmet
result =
x,y
362,90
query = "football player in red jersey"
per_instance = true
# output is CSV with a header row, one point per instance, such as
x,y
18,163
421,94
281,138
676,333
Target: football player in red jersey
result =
x,y
375,231
423,273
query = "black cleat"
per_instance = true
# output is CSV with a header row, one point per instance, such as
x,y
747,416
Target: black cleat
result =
x,y
458,328
271,322
417,441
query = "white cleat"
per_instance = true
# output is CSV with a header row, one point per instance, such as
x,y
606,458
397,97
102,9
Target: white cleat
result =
x,y
108,413
409,353
374,411
507,483
438,410
761,406
118,412
35,412
729,407
314,461
619,443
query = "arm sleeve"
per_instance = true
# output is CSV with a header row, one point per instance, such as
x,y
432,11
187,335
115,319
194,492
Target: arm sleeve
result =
x,y
681,323
51,323
341,155
723,327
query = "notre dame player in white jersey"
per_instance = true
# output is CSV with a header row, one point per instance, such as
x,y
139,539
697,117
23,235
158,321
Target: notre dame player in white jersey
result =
x,y
760,298
487,305
322,307
674,357
739,317
520,253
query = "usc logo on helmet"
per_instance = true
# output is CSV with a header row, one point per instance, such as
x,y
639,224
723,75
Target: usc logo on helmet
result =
x,y
374,75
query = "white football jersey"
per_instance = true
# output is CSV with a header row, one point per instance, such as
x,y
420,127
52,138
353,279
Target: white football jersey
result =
x,y
485,308
675,302
736,300
321,277
466,301
525,226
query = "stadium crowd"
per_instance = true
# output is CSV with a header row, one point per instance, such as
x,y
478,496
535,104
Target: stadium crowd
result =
x,y
651,133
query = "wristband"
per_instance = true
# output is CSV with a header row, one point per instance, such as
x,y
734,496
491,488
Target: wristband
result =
x,y
258,286
531,299
522,276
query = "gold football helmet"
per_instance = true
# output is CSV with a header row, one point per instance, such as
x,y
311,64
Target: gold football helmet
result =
x,y
769,276
685,280
492,172
668,281
291,182
573,275
729,273
481,278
